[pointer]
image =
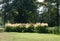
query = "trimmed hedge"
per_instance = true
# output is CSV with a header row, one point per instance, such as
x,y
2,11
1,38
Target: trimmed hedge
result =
x,y
38,29
9,29
54,30
14,29
41,29
29,29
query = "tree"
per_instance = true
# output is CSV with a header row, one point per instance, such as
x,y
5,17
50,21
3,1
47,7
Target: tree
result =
x,y
21,11
52,16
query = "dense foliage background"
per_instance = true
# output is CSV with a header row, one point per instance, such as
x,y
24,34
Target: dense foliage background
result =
x,y
25,11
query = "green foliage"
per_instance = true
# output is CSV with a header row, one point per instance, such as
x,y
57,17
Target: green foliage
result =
x,y
41,29
9,29
19,29
32,29
29,29
24,29
21,11
54,30
14,29
49,16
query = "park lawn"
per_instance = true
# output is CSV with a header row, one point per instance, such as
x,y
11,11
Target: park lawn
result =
x,y
14,36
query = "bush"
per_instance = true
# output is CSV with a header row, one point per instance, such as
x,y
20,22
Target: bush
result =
x,y
50,30
9,28
38,29
41,29
53,30
14,29
24,29
19,29
29,29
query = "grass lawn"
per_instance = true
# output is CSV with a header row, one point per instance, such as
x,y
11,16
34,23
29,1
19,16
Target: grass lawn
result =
x,y
14,36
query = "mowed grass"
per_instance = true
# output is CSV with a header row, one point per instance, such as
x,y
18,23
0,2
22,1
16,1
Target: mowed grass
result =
x,y
14,36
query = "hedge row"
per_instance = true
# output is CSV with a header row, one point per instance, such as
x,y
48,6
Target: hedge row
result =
x,y
38,29
54,30
24,29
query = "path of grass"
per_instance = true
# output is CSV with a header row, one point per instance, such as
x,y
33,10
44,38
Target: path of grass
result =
x,y
13,36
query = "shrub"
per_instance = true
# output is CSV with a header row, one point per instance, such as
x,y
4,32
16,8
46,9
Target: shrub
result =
x,y
50,30
41,29
53,30
14,29
9,28
20,29
29,29
57,30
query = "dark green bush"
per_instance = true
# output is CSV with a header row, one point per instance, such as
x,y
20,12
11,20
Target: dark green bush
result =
x,y
14,29
24,29
9,28
53,30
29,29
50,29
19,29
38,29
41,29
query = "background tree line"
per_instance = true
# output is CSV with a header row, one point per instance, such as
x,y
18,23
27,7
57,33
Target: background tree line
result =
x,y
21,11
25,11
51,16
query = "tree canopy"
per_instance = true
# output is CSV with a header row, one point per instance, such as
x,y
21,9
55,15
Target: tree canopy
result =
x,y
21,11
25,11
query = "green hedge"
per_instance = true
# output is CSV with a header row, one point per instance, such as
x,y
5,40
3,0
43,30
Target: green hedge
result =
x,y
14,29
9,28
54,30
38,29
29,29
41,29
